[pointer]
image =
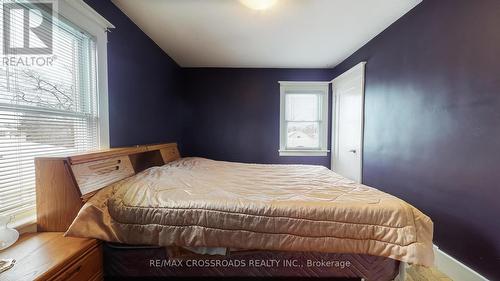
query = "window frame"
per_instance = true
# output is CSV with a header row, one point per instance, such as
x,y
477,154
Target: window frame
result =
x,y
317,88
86,18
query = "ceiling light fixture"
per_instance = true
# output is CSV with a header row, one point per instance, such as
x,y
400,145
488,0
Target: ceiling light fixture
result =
x,y
259,4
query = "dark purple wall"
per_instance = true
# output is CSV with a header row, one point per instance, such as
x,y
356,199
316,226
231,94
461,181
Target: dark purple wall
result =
x,y
144,84
234,113
432,123
432,126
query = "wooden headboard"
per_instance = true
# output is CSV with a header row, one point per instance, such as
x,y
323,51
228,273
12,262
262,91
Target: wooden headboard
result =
x,y
63,184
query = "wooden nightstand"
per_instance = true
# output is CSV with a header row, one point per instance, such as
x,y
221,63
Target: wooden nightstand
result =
x,y
51,256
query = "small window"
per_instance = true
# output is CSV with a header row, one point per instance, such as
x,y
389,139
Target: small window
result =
x,y
303,118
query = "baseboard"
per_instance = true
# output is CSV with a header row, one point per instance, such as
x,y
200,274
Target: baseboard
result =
x,y
454,268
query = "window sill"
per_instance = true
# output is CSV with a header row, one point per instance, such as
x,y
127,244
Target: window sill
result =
x,y
304,152
24,225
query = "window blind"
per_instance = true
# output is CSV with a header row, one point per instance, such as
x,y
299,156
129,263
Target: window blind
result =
x,y
45,109
302,120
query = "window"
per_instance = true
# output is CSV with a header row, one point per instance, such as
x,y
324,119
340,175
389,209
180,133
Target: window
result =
x,y
303,118
50,104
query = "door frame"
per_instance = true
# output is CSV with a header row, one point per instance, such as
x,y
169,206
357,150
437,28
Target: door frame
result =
x,y
358,69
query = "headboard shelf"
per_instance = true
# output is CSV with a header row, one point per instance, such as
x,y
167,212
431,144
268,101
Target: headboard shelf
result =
x,y
104,154
92,176
144,160
64,183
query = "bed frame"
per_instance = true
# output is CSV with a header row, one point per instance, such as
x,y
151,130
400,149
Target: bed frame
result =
x,y
64,183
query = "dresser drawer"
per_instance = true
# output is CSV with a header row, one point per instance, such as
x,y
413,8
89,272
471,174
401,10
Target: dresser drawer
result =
x,y
88,267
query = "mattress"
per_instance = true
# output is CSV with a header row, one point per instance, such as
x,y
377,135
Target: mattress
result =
x,y
197,202
129,262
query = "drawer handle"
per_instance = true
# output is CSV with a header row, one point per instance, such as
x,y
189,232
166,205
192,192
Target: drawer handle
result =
x,y
75,271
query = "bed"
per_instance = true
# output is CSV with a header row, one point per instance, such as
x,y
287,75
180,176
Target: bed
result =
x,y
216,210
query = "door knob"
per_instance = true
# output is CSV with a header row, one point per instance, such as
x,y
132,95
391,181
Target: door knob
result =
x,y
352,150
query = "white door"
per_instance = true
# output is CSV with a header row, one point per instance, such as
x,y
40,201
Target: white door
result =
x,y
348,114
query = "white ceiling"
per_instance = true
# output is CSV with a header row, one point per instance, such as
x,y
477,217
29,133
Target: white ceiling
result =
x,y
292,34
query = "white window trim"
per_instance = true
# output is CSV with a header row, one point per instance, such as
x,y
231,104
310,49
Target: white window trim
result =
x,y
307,86
83,16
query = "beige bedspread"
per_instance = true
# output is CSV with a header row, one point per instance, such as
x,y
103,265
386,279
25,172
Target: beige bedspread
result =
x,y
196,202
